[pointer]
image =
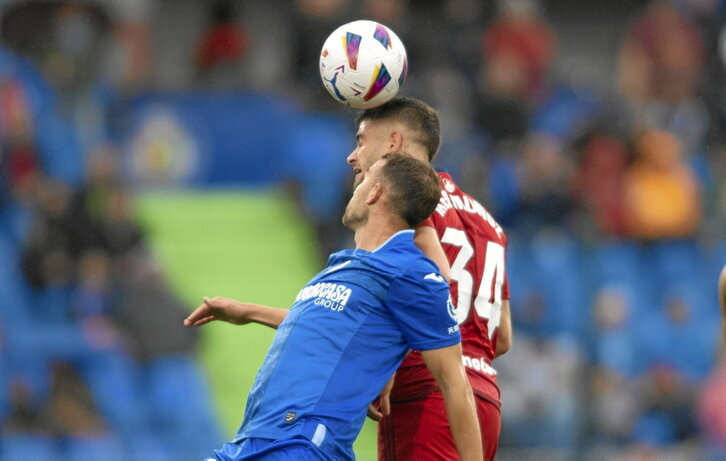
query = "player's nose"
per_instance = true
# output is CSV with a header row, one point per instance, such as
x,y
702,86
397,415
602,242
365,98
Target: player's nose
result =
x,y
352,158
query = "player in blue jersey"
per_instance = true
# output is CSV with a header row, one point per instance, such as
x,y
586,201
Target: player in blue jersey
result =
x,y
350,327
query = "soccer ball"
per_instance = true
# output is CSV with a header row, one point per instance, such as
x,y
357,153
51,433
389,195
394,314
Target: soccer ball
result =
x,y
363,64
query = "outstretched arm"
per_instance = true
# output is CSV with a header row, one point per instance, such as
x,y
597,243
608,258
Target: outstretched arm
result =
x,y
445,365
235,312
722,301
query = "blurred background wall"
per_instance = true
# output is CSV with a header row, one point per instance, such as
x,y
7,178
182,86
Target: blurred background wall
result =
x,y
153,152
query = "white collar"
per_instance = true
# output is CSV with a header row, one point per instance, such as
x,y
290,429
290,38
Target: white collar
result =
x,y
401,232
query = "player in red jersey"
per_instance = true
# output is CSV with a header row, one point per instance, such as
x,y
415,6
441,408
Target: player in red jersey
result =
x,y
474,247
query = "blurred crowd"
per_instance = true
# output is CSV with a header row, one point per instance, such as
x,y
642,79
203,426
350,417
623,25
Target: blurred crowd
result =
x,y
595,133
85,370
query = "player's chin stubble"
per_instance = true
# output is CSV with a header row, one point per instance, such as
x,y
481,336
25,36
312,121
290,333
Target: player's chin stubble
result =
x,y
352,219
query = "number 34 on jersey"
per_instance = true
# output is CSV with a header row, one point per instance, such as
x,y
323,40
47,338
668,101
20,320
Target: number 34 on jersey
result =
x,y
488,299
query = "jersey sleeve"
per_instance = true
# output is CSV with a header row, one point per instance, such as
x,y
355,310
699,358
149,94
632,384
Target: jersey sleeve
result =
x,y
422,308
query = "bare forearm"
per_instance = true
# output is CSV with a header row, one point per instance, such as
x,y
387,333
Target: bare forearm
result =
x,y
265,315
445,365
237,313
461,411
504,332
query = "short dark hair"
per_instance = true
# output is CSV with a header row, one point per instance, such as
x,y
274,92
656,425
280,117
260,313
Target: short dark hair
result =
x,y
418,116
414,187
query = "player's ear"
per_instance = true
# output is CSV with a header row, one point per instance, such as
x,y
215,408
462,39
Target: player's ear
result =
x,y
395,142
374,194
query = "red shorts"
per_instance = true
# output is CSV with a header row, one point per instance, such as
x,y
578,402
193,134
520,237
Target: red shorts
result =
x,y
419,430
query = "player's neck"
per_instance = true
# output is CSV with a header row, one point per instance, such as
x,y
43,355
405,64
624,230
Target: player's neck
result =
x,y
375,232
416,151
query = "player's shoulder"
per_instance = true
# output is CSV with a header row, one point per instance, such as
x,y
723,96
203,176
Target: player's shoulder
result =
x,y
400,256
387,262
348,270
447,181
407,257
462,211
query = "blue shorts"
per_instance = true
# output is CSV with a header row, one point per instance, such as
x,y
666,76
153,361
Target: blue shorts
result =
x,y
291,449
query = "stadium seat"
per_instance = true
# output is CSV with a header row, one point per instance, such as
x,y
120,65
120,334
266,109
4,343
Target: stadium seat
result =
x,y
697,339
525,297
62,155
617,262
559,267
148,446
616,350
111,377
52,304
14,221
180,405
564,112
316,159
4,380
673,261
100,448
654,429
28,447
503,184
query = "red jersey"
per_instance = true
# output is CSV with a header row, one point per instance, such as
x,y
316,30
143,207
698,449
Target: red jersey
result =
x,y
475,247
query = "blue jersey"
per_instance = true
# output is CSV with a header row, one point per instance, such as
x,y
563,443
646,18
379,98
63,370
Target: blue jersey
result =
x,y
345,335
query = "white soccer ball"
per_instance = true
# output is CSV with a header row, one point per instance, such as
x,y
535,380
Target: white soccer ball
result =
x,y
363,64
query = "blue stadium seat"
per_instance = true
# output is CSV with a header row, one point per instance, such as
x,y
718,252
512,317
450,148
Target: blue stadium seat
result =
x,y
504,189
4,381
673,261
717,255
61,152
15,221
617,350
655,430
148,446
101,448
696,341
52,304
319,145
617,262
28,447
559,269
522,286
180,405
653,342
622,264
564,112
111,376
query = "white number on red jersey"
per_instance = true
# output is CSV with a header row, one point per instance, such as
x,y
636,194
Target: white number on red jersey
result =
x,y
487,306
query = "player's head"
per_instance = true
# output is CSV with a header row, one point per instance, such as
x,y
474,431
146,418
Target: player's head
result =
x,y
401,125
398,185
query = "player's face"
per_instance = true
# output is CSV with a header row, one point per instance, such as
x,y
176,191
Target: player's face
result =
x,y
372,141
356,212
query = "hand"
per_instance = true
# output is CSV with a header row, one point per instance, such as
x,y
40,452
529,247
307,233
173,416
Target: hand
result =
x,y
382,405
218,308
